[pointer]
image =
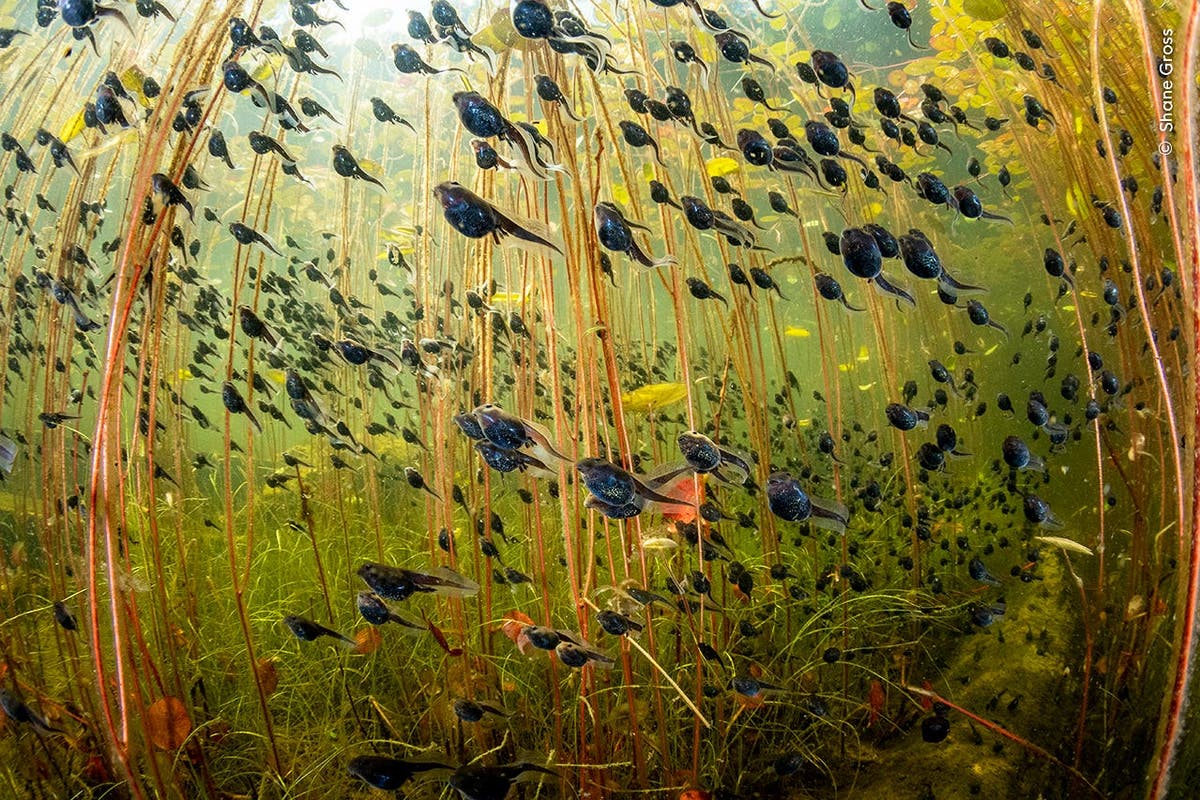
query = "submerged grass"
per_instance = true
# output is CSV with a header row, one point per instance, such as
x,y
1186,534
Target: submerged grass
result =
x,y
180,572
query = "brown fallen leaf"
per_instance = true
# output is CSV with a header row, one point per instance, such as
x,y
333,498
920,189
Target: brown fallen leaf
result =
x,y
268,675
368,640
168,723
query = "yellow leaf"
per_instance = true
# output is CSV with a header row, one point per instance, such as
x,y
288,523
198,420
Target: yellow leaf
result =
x,y
500,34
721,165
797,332
780,49
620,193
864,387
1068,308
661,543
864,354
132,79
73,127
985,10
1066,544
1076,199
653,396
268,68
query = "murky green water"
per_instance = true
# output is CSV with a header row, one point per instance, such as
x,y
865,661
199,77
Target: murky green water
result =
x,y
183,480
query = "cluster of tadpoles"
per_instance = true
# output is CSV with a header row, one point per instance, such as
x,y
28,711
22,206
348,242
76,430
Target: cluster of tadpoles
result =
x,y
508,443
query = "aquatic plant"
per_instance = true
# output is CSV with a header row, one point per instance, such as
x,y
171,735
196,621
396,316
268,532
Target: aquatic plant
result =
x,y
689,399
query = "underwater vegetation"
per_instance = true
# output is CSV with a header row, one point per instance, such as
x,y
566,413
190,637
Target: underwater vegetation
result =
x,y
668,398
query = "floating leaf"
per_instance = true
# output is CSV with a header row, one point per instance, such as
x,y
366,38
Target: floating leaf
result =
x,y
985,10
269,67
500,35
367,640
832,17
168,723
620,193
653,396
268,674
132,79
721,165
797,332
73,127
372,168
1065,544
659,543
441,638
513,625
